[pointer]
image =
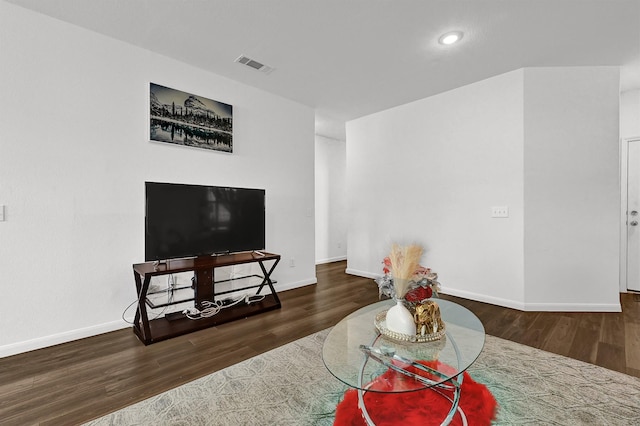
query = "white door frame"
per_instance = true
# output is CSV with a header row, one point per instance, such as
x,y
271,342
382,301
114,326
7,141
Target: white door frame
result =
x,y
624,164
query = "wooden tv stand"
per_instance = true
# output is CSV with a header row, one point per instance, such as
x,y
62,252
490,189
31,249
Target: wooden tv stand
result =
x,y
175,324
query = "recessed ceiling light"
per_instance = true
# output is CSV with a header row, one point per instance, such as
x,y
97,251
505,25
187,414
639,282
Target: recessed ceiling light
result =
x,y
450,37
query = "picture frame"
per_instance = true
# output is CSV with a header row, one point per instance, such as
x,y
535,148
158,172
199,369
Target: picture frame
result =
x,y
182,118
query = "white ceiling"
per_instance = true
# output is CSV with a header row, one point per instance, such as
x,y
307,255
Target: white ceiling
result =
x,y
349,58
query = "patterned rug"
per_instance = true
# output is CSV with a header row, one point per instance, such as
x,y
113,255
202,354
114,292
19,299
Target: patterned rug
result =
x,y
290,386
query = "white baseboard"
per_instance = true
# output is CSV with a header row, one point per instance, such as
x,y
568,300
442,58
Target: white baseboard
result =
x,y
296,284
56,339
364,274
533,307
515,304
573,307
68,336
507,303
331,259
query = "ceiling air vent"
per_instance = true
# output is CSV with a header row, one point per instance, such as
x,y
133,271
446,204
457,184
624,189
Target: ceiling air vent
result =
x,y
254,64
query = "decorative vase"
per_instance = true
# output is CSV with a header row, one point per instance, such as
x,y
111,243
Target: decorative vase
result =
x,y
400,320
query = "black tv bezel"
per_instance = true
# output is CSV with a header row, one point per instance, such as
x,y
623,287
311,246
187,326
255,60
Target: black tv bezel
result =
x,y
208,253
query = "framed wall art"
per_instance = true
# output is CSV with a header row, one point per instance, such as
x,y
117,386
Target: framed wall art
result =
x,y
182,118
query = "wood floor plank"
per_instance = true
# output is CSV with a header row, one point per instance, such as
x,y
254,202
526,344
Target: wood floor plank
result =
x,y
611,356
612,331
585,342
529,328
561,335
75,382
632,347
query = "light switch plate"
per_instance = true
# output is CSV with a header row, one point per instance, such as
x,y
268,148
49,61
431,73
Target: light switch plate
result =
x,y
500,211
1,213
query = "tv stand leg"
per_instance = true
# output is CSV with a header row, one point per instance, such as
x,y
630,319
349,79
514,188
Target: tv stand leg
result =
x,y
141,319
267,279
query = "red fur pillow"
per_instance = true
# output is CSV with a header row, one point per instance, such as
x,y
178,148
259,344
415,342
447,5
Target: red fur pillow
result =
x,y
425,407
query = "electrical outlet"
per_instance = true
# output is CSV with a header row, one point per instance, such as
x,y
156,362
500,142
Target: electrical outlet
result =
x,y
500,211
339,245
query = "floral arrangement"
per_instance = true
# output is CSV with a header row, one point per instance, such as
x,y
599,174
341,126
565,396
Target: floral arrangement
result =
x,y
405,278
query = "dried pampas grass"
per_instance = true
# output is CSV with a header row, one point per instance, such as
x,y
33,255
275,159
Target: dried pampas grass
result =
x,y
404,262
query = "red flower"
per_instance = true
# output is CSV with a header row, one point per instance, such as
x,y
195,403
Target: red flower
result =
x,y
387,264
418,294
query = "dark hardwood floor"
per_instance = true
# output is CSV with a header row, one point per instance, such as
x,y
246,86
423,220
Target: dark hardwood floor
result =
x,y
85,379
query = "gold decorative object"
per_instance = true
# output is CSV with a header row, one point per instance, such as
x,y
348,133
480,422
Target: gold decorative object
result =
x,y
381,324
427,318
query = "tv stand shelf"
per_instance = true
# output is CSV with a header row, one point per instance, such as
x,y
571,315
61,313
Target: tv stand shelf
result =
x,y
175,324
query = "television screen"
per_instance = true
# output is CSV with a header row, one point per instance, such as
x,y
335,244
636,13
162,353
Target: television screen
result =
x,y
194,220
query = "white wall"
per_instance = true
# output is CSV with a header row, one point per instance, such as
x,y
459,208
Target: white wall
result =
x,y
331,199
75,156
429,172
542,142
630,114
572,196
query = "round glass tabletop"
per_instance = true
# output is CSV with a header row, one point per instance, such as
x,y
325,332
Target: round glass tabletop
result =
x,y
357,354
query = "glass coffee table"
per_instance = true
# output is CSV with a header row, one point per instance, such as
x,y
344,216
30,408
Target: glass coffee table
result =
x,y
357,354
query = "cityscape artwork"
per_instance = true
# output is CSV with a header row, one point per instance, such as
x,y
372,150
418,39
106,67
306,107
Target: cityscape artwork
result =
x,y
184,119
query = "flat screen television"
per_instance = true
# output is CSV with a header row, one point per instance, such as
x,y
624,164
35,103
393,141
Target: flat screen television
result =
x,y
196,220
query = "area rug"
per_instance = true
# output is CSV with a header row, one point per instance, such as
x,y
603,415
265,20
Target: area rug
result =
x,y
290,386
